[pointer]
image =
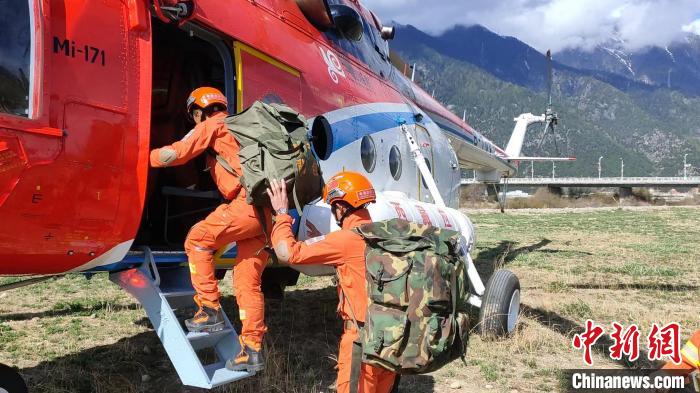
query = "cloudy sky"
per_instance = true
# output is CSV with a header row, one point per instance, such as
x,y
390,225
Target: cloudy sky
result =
x,y
555,24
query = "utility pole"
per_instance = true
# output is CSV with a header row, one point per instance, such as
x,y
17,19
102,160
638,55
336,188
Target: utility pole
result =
x,y
685,166
532,169
622,168
600,168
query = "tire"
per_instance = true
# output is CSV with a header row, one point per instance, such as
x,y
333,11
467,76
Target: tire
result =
x,y
500,306
274,280
220,274
395,386
11,381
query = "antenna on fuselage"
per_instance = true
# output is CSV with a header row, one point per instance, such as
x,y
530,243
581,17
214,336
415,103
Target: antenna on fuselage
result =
x,y
464,116
413,72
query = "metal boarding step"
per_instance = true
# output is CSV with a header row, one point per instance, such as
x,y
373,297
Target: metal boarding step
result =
x,y
166,294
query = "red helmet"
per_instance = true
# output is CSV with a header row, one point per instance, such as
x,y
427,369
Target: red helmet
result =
x,y
350,187
205,96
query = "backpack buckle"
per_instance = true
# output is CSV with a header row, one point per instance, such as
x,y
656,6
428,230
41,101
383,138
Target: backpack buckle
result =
x,y
380,283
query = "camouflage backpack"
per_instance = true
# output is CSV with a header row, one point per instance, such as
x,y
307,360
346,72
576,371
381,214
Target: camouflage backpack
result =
x,y
418,289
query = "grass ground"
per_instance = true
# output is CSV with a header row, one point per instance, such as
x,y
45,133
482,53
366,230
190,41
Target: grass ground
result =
x,y
632,266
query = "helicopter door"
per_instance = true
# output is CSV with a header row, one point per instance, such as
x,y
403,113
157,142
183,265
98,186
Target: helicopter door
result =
x,y
426,146
261,77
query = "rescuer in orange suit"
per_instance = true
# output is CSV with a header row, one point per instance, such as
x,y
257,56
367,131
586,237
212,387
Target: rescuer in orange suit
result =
x,y
348,194
234,221
690,363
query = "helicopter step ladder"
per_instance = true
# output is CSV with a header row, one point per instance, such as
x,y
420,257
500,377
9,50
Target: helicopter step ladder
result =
x,y
165,292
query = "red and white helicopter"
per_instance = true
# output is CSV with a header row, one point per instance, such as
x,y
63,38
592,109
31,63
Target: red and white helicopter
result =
x,y
87,88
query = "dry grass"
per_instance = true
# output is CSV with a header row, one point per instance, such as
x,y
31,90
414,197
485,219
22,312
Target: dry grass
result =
x,y
632,266
474,197
544,199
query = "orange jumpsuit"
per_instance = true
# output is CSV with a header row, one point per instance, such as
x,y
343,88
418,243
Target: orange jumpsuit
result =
x,y
345,250
690,355
233,222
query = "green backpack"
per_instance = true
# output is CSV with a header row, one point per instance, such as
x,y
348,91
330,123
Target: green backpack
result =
x,y
274,145
418,290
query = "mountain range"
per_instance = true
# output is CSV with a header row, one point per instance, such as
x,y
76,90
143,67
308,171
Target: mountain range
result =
x,y
675,67
642,107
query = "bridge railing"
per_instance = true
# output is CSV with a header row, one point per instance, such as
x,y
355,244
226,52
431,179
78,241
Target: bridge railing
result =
x,y
658,180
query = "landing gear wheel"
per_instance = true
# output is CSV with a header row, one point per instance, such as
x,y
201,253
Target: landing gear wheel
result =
x,y
500,306
397,382
11,381
220,274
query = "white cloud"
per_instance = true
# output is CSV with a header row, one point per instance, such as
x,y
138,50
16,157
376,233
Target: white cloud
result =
x,y
555,24
693,27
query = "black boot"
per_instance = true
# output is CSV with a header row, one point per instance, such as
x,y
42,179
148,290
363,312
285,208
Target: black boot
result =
x,y
249,359
206,320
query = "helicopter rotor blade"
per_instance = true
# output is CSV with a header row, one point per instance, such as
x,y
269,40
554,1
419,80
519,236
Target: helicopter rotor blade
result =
x,y
549,77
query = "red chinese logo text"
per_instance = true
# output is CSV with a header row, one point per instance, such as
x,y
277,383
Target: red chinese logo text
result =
x,y
625,342
587,339
665,341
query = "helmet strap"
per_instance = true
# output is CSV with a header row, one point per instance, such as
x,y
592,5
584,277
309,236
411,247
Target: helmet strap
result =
x,y
348,211
208,111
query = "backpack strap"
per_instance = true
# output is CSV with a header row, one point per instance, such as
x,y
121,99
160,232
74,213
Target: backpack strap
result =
x,y
266,247
356,359
296,200
453,282
345,298
226,165
355,366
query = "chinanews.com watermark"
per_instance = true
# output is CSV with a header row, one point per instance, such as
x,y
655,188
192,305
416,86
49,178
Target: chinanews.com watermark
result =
x,y
662,345
638,380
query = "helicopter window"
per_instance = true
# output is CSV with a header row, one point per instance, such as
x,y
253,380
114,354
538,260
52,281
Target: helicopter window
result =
x,y
15,54
368,153
371,50
353,48
395,162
